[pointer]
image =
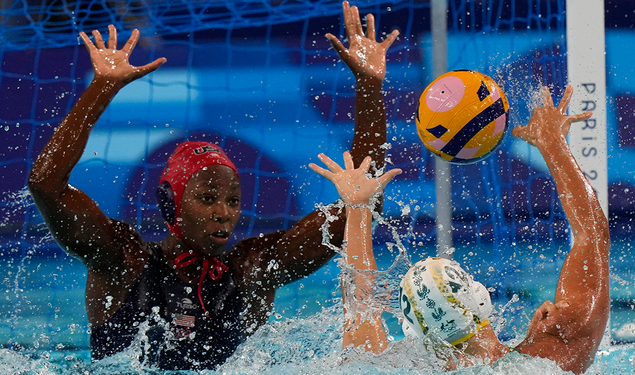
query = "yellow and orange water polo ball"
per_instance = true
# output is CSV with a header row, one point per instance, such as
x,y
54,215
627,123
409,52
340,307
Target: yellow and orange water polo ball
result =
x,y
463,116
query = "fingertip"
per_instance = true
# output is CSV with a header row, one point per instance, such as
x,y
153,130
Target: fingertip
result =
x,y
393,173
316,168
156,64
85,39
391,38
581,117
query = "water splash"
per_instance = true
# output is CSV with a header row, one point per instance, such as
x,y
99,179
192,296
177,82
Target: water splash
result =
x,y
310,345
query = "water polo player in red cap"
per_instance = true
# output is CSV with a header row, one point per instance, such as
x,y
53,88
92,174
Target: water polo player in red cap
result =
x,y
210,297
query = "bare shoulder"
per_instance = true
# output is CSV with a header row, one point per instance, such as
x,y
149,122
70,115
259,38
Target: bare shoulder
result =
x,y
252,253
116,270
254,248
575,356
127,249
560,335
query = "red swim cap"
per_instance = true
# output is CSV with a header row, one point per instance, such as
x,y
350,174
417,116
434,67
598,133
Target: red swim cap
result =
x,y
187,159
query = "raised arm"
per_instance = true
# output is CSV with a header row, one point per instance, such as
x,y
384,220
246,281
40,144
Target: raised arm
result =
x,y
357,190
367,60
74,219
299,251
570,329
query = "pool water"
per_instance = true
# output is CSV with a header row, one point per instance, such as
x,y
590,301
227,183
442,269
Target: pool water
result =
x,y
48,332
302,346
44,329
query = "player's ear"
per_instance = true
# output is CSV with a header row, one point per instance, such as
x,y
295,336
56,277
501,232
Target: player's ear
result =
x,y
165,200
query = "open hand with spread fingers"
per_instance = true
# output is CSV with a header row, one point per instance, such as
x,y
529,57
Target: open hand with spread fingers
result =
x,y
354,185
111,63
547,123
364,56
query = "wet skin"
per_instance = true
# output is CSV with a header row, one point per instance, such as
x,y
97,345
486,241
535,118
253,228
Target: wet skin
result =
x,y
568,330
114,253
210,210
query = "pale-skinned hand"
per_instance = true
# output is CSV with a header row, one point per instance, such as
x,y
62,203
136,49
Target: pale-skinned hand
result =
x,y
355,186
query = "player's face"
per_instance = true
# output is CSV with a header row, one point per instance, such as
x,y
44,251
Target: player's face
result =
x,y
210,209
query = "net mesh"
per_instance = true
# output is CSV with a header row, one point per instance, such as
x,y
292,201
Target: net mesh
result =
x,y
258,78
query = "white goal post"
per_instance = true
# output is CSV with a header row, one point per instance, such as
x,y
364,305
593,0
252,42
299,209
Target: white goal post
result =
x,y
586,66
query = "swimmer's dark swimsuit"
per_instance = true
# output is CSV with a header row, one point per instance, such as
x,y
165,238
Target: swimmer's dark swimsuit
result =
x,y
190,340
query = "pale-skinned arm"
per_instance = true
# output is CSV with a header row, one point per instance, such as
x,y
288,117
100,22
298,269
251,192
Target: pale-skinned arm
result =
x,y
357,190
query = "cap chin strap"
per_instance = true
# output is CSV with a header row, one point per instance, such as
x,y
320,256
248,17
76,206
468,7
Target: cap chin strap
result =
x,y
479,326
176,228
212,267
